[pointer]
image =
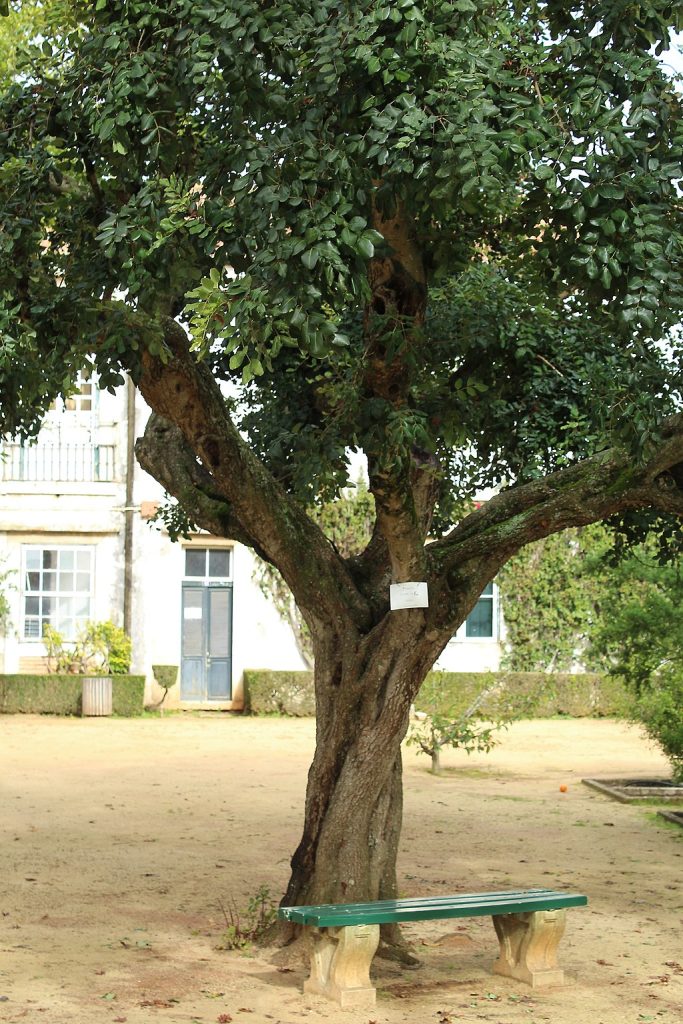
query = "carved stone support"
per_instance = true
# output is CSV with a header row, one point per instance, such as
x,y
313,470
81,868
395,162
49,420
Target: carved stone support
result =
x,y
340,965
528,946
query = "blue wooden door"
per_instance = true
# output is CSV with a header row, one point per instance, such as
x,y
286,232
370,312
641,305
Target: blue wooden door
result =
x,y
206,662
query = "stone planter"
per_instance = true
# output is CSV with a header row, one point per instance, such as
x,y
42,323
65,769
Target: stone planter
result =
x,y
630,791
97,696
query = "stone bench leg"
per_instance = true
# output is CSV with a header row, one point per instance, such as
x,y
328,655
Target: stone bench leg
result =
x,y
528,946
340,965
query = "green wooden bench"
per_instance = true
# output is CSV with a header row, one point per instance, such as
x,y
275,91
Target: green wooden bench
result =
x,y
529,924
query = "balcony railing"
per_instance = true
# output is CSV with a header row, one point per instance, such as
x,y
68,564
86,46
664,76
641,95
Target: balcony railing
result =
x,y
61,463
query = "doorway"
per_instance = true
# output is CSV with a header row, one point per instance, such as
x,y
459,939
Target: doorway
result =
x,y
206,656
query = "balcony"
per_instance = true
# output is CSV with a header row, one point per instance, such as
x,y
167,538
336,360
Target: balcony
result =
x,y
58,463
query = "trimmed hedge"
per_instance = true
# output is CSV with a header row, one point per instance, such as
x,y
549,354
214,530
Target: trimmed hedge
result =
x,y
62,694
529,694
280,693
526,694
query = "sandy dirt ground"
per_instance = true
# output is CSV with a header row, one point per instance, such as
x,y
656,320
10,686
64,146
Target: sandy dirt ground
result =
x,y
123,842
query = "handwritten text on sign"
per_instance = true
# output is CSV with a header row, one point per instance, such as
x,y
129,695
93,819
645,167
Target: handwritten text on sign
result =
x,y
408,595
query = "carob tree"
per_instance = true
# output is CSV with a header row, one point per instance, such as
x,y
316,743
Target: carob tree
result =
x,y
443,234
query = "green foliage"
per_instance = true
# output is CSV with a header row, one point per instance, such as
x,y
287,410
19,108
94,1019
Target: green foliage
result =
x,y
618,607
640,639
471,728
551,596
165,675
450,694
284,693
437,732
5,609
251,925
524,694
101,648
62,694
660,709
534,155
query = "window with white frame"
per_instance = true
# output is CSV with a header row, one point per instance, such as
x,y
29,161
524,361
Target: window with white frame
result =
x,y
83,398
482,622
57,590
208,563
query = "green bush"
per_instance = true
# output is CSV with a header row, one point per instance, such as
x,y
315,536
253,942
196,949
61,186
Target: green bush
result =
x,y
62,694
660,709
283,693
523,694
101,648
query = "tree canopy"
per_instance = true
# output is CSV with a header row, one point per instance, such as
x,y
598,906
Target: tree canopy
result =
x,y
445,233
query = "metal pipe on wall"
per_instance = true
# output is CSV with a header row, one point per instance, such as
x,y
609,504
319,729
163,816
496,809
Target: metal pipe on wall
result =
x,y
129,512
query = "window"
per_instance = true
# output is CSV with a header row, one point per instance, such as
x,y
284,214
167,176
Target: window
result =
x,y
83,399
57,590
207,563
480,622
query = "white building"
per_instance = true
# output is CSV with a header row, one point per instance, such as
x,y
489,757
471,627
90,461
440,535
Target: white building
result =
x,y
75,533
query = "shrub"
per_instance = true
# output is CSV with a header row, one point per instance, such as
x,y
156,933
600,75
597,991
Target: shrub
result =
x,y
533,694
471,728
284,693
252,924
524,694
62,694
101,648
660,710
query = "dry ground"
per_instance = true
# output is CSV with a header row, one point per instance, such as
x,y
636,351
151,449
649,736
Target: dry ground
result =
x,y
121,841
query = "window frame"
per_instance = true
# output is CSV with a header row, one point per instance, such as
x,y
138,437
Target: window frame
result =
x,y
461,635
55,595
207,578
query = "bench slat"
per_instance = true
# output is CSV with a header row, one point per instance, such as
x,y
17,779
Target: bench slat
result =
x,y
432,908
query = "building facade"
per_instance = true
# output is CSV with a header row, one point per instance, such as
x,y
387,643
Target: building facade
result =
x,y
77,539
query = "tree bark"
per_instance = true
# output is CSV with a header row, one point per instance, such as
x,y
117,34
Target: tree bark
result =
x,y
354,798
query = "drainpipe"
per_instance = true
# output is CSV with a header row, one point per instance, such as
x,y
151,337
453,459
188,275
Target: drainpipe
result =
x,y
129,512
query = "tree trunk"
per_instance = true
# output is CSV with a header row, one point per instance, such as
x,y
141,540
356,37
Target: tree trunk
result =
x,y
354,798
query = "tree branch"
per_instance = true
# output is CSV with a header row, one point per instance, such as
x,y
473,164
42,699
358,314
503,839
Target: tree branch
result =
x,y
164,453
594,489
183,390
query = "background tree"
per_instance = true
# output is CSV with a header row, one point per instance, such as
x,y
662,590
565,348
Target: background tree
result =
x,y
639,639
447,234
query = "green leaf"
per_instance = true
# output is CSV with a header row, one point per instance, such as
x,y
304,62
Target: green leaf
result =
x,y
310,258
366,247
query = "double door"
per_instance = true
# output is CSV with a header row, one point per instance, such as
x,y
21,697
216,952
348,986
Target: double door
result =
x,y
206,661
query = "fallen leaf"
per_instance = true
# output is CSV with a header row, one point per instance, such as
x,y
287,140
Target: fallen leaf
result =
x,y
224,1018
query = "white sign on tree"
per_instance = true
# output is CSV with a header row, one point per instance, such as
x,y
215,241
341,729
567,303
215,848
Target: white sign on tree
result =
x,y
408,595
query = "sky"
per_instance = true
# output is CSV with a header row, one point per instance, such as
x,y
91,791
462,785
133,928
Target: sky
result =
x,y
674,58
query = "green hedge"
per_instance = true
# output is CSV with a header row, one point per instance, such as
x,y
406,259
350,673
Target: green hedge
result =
x,y
283,693
527,694
61,694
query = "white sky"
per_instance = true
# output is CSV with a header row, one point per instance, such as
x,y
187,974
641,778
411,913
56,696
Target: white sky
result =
x,y
674,58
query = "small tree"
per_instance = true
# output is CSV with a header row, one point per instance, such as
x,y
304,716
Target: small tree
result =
x,y
471,730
